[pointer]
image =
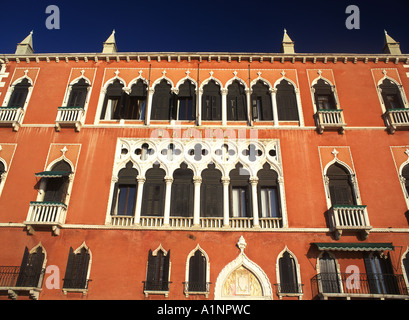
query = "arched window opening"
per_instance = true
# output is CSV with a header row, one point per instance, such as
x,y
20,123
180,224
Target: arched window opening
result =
x,y
328,277
287,108
324,96
19,94
268,193
391,95
76,273
114,99
405,175
182,192
57,183
197,273
211,191
185,104
288,274
157,277
135,106
154,192
236,102
211,102
380,274
240,193
261,108
340,186
162,101
78,94
124,199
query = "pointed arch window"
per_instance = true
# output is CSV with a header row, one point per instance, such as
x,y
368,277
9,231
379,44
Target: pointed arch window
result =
x,y
324,96
236,102
135,103
197,274
77,270
19,94
154,192
287,108
162,101
240,193
328,277
268,193
124,198
56,182
32,268
340,186
391,95
380,274
78,94
185,104
182,192
113,101
289,282
157,276
211,101
211,190
261,107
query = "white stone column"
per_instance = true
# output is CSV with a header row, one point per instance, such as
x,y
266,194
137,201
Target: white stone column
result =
x,y
197,180
253,183
141,182
273,93
226,213
148,110
283,204
224,106
249,111
166,213
199,107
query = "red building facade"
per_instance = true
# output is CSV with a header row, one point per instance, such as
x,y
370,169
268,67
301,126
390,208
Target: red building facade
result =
x,y
204,175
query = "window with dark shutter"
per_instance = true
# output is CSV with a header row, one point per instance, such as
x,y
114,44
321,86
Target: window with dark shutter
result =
x,y
114,98
286,102
405,174
162,101
31,268
211,193
324,96
288,274
154,192
261,107
268,193
236,102
19,94
340,186
182,192
391,95
240,195
78,94
77,269
56,188
329,278
157,277
197,272
135,106
380,274
124,199
185,108
211,102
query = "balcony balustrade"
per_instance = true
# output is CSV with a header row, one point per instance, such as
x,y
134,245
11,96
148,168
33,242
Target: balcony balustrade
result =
x,y
14,281
69,117
46,214
330,120
397,119
11,116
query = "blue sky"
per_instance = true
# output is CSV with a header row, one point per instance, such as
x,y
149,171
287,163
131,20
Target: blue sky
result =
x,y
204,26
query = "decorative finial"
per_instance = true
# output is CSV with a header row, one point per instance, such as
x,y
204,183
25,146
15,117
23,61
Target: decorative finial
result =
x,y
335,152
242,244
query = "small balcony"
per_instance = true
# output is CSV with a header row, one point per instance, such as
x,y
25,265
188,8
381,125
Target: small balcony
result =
x,y
359,286
11,116
156,287
397,119
349,218
70,117
46,215
289,290
332,119
14,282
196,288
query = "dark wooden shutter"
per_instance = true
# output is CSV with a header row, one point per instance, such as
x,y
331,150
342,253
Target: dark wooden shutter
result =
x,y
77,270
211,190
182,193
340,186
153,192
236,102
286,102
288,274
165,272
262,96
78,94
31,269
197,272
161,101
324,89
239,177
211,102
391,90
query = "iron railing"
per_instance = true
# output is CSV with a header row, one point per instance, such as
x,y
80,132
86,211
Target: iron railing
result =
x,y
158,286
203,287
289,288
362,284
13,277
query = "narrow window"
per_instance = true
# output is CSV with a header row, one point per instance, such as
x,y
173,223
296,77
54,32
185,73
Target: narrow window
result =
x,y
182,192
78,94
154,192
391,95
57,185
111,109
328,277
240,196
261,108
340,186
135,106
236,102
211,102
77,269
157,278
211,189
324,96
288,274
268,193
380,274
286,102
124,200
197,272
186,102
406,266
31,268
162,101
19,94
2,170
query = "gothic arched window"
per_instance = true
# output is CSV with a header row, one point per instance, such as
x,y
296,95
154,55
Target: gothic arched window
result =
x,y
211,102
261,108
340,186
287,108
162,101
236,102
